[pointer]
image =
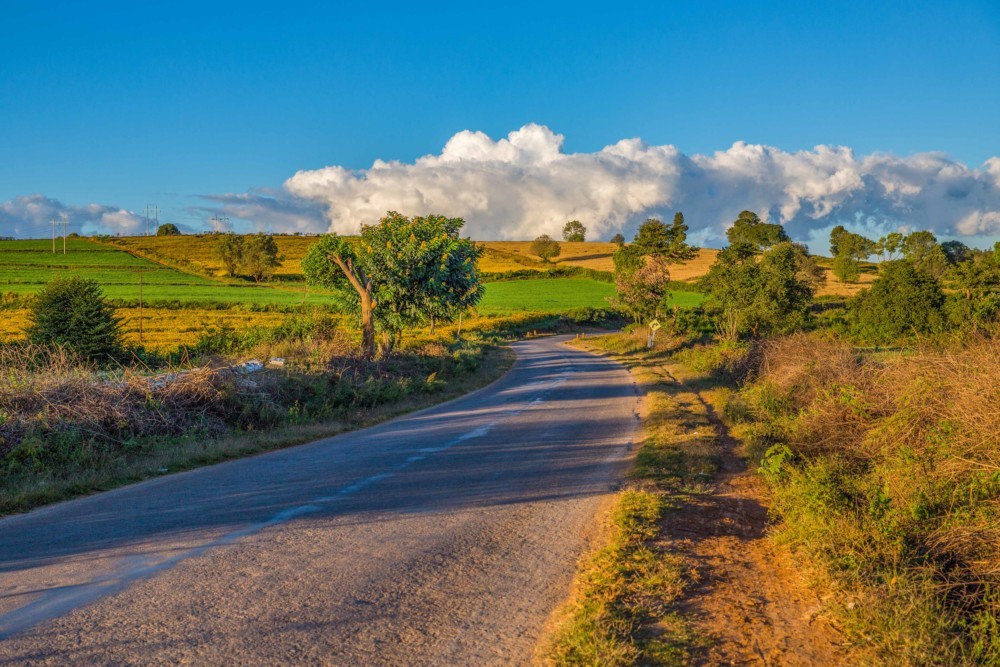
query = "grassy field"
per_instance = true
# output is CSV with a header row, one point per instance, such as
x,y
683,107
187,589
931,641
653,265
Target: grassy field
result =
x,y
26,266
557,295
185,293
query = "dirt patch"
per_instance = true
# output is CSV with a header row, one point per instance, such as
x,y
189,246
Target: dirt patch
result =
x,y
749,602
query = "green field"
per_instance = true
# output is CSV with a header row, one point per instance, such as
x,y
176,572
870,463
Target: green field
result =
x,y
26,266
556,295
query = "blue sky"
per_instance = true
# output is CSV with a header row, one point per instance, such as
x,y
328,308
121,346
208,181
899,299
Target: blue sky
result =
x,y
128,104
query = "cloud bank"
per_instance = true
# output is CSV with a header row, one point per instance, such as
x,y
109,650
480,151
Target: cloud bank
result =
x,y
29,216
525,184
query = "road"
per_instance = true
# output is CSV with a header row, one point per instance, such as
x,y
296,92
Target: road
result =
x,y
445,537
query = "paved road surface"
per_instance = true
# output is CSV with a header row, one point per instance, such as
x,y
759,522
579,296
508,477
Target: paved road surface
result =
x,y
442,538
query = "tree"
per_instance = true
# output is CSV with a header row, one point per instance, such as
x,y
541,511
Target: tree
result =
x,y
574,231
769,295
230,251
72,313
618,239
168,229
846,268
749,229
923,251
641,274
260,258
401,273
956,252
643,293
835,235
655,238
545,247
889,245
848,250
901,301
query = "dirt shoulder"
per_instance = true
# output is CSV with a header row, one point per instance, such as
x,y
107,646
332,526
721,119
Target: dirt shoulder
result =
x,y
737,597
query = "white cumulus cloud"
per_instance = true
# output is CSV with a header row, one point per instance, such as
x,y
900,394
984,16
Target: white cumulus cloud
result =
x,y
525,184
29,216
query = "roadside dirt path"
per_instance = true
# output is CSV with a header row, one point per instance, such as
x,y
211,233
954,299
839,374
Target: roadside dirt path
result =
x,y
750,604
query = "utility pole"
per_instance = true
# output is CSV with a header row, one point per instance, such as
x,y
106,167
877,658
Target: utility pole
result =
x,y
65,222
156,227
219,223
54,223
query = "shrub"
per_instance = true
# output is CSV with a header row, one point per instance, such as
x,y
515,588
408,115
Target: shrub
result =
x,y
901,302
72,313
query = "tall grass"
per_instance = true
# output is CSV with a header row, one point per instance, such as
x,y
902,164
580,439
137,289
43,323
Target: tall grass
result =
x,y
885,472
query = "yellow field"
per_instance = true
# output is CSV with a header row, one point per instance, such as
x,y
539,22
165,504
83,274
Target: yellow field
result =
x,y
197,253
163,330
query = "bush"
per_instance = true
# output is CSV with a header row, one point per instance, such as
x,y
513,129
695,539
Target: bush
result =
x,y
72,313
900,303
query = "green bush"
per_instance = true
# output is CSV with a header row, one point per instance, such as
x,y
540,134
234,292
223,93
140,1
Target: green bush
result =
x,y
900,303
72,313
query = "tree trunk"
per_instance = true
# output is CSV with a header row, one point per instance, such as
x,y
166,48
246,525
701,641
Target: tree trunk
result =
x,y
459,335
367,327
432,325
386,347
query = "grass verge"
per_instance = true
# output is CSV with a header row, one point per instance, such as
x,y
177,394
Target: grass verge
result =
x,y
622,609
30,480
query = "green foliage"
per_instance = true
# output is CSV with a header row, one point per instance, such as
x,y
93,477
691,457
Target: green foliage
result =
x,y
618,239
574,231
545,247
846,268
922,250
956,252
642,276
168,229
769,295
408,270
656,238
72,313
749,229
901,302
889,245
230,252
259,257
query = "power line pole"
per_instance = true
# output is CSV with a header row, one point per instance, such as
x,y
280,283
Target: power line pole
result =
x,y
156,227
65,222
219,223
54,223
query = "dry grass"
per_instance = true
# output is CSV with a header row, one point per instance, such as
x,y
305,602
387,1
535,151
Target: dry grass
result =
x,y
886,473
197,253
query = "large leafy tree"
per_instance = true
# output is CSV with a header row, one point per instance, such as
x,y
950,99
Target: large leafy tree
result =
x,y
574,231
230,252
72,313
402,272
766,294
924,252
749,229
889,245
848,250
642,276
545,247
259,257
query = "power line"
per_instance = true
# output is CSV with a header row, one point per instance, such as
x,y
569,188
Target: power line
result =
x,y
219,223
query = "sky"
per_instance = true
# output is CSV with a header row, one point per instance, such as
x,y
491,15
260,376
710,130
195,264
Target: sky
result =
x,y
516,116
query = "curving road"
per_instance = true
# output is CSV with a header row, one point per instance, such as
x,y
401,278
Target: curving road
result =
x,y
445,537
